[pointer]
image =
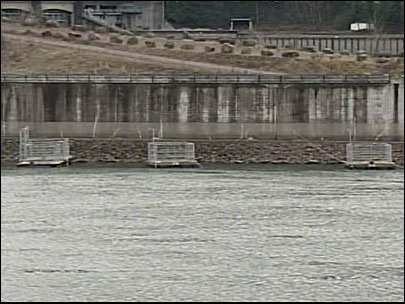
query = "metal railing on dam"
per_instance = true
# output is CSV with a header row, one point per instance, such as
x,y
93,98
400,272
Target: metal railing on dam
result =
x,y
219,79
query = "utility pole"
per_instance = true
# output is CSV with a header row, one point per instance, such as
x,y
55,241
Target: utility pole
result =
x,y
163,14
36,8
257,15
78,12
37,11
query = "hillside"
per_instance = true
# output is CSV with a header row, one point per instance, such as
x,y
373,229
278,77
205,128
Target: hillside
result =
x,y
299,16
52,51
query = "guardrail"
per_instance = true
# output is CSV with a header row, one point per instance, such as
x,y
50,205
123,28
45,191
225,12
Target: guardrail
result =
x,y
372,44
219,79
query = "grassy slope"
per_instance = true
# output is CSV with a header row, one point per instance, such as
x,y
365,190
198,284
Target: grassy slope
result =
x,y
26,57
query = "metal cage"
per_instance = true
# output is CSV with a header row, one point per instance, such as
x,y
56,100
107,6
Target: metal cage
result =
x,y
358,152
171,154
164,151
369,155
42,150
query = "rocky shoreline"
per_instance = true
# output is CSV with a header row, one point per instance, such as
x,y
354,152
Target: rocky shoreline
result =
x,y
216,151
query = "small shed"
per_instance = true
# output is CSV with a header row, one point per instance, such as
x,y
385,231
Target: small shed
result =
x,y
241,24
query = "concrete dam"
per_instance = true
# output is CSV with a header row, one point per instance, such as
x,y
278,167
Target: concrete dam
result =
x,y
205,107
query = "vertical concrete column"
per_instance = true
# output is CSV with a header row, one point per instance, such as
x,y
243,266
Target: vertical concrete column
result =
x,y
77,13
223,103
184,100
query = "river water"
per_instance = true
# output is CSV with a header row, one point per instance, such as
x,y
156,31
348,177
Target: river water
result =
x,y
237,233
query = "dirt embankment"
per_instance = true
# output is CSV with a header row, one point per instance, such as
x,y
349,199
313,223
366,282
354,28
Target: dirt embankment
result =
x,y
34,50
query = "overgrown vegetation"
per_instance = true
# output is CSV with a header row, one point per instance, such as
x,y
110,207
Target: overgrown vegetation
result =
x,y
387,16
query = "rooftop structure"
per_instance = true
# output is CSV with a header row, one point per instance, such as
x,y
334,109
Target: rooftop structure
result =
x,y
131,15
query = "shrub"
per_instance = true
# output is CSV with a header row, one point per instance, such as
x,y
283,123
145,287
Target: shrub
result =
x,y
290,54
149,35
345,52
267,53
93,36
209,49
361,57
227,48
47,34
249,43
58,35
246,51
169,45
116,39
74,35
187,47
309,48
150,44
132,41
227,40
327,51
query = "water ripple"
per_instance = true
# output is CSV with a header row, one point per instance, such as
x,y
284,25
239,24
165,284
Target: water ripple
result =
x,y
231,233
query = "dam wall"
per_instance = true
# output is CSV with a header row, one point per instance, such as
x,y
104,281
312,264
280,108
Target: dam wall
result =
x,y
245,107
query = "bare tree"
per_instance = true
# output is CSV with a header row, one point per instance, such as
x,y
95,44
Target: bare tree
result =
x,y
309,12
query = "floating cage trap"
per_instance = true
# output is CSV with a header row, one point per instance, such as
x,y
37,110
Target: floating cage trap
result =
x,y
171,154
43,152
369,156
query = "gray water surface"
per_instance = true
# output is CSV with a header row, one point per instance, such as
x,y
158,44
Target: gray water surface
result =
x,y
234,233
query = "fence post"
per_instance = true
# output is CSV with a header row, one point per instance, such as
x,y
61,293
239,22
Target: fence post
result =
x,y
398,45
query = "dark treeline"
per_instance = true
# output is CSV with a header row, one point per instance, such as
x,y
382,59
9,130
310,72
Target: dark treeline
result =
x,y
387,16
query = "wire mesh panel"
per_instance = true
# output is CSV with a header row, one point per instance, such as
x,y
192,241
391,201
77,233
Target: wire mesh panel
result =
x,y
170,151
41,150
45,149
368,152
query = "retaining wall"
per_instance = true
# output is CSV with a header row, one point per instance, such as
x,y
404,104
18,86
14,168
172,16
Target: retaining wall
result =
x,y
220,151
362,110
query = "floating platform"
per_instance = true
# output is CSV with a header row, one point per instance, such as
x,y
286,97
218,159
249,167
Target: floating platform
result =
x,y
44,163
174,164
377,165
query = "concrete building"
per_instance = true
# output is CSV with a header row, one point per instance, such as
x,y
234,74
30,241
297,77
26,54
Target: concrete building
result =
x,y
131,15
